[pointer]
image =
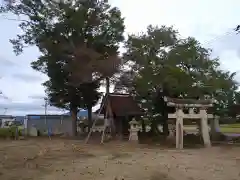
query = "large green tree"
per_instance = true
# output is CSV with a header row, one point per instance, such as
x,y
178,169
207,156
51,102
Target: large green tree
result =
x,y
78,41
163,64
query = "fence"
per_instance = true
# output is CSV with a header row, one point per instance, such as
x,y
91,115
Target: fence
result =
x,y
56,124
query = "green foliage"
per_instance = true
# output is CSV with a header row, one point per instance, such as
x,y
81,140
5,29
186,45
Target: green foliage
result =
x,y
10,132
237,28
78,41
162,64
4,132
68,35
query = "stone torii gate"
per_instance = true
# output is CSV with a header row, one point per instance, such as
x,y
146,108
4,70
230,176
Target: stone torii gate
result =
x,y
179,115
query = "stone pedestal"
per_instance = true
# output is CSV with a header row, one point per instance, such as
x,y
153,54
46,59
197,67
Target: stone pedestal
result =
x,y
172,130
133,135
134,128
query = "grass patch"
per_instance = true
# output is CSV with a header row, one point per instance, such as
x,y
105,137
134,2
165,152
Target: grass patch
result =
x,y
229,130
224,128
230,125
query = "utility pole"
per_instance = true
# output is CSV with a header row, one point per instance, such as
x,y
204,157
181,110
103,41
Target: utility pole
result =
x,y
5,111
45,109
0,90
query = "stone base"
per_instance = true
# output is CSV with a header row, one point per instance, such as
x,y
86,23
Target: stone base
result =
x,y
133,136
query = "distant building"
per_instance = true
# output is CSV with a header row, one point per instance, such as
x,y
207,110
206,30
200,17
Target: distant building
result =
x,y
57,124
82,114
20,118
4,119
6,116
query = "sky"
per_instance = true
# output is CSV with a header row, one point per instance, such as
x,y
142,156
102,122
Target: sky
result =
x,y
212,22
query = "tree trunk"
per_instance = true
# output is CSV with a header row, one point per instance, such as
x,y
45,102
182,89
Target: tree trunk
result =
x,y
107,85
154,127
107,92
164,113
73,111
89,117
165,124
143,126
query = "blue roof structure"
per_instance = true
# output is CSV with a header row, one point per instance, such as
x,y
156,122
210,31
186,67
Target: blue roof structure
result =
x,y
82,113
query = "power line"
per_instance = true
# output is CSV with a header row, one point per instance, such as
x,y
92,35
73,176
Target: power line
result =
x,y
204,43
230,31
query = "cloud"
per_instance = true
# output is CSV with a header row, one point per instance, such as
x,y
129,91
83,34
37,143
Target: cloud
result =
x,y
27,77
237,77
5,65
37,97
23,108
5,62
208,21
228,41
3,97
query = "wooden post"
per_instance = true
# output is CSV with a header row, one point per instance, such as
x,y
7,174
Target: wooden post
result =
x,y
179,129
105,123
112,125
120,129
172,130
94,123
204,128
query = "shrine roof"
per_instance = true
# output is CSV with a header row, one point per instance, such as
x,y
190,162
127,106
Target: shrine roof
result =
x,y
122,105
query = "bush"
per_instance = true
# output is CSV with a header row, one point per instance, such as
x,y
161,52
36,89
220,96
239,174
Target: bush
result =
x,y
9,132
236,139
218,136
4,132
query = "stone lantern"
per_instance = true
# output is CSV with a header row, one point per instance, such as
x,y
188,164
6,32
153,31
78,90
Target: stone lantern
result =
x,y
134,128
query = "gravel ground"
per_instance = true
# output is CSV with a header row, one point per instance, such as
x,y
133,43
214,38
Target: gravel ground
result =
x,y
42,159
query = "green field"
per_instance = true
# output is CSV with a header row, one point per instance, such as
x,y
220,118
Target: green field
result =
x,y
224,128
230,128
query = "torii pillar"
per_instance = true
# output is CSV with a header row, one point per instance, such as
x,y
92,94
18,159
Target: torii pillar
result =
x,y
179,128
204,128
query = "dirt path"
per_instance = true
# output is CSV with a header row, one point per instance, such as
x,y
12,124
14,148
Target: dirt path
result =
x,y
71,160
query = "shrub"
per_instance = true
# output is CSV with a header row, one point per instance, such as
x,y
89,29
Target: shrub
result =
x,y
4,132
218,136
236,139
9,132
